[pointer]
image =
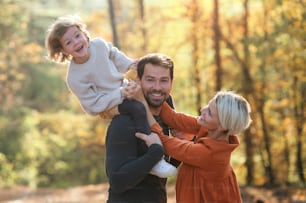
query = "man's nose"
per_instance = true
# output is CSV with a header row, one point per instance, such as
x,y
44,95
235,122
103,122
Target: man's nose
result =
x,y
157,85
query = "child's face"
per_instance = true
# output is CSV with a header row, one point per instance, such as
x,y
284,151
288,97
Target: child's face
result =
x,y
75,43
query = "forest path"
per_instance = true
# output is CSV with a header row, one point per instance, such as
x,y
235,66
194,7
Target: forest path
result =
x,y
98,193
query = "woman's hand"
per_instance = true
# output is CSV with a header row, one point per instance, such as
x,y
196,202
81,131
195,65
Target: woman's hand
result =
x,y
149,139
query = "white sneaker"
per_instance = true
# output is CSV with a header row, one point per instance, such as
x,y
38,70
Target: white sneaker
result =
x,y
163,169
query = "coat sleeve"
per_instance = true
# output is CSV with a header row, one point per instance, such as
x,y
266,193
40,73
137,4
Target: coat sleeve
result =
x,y
195,154
121,61
179,121
93,101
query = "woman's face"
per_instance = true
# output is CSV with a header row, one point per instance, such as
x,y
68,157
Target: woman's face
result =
x,y
209,118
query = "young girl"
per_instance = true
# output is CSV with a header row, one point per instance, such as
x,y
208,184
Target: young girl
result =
x,y
96,76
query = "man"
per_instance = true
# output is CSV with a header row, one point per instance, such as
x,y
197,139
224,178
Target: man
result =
x,y
127,162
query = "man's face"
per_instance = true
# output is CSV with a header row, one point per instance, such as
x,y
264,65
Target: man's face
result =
x,y
156,84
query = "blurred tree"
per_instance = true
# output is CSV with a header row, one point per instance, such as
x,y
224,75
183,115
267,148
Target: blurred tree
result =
x,y
247,84
196,18
217,38
266,155
293,25
112,17
13,26
30,87
141,7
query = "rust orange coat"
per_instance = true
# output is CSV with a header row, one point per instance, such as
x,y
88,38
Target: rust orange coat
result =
x,y
206,175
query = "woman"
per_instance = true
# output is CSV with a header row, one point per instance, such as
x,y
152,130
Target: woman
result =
x,y
206,174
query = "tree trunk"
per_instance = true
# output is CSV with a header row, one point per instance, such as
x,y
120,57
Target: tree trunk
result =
x,y
217,37
286,157
261,101
299,114
248,91
112,16
268,160
195,53
249,156
143,27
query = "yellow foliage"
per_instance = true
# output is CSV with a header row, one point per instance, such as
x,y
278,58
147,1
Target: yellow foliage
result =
x,y
32,52
131,75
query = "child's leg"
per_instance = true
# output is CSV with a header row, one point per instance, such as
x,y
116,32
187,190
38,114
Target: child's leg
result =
x,y
110,113
138,112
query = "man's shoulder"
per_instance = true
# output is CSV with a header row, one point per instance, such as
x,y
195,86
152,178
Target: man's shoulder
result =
x,y
121,118
121,129
121,123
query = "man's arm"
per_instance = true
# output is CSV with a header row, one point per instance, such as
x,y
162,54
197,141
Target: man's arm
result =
x,y
125,167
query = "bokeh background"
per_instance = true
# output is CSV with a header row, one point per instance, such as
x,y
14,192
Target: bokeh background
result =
x,y
254,47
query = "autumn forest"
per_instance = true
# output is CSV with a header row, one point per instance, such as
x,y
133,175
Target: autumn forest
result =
x,y
254,47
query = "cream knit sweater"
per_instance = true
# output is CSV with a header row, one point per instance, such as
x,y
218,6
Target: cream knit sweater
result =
x,y
97,82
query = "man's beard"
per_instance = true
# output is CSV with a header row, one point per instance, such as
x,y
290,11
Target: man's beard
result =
x,y
153,102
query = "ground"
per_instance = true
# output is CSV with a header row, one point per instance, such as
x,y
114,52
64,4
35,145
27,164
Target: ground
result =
x,y
98,193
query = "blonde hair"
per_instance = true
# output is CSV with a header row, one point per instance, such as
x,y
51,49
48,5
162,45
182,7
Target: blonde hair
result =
x,y
233,111
55,33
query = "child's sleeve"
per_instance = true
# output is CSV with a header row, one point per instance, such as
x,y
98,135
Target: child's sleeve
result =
x,y
121,61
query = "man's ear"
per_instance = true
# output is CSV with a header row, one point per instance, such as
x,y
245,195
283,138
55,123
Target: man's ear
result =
x,y
138,81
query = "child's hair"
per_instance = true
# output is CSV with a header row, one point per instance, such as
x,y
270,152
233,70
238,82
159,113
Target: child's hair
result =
x,y
233,111
55,33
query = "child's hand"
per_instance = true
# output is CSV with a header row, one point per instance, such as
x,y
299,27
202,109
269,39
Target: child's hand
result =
x,y
149,139
134,64
131,90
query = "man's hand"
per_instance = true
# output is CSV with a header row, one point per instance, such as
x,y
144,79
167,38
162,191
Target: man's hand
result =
x,y
149,139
